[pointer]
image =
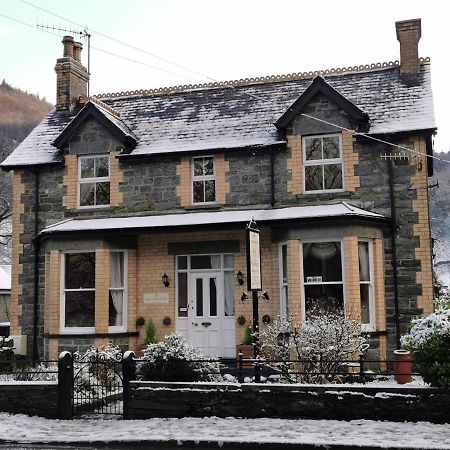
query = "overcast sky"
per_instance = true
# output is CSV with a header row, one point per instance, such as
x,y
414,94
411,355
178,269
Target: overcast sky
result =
x,y
222,40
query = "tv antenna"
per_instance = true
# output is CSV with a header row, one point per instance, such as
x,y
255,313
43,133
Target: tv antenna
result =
x,y
83,34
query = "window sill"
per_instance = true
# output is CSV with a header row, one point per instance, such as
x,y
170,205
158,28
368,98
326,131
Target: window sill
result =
x,y
88,334
200,206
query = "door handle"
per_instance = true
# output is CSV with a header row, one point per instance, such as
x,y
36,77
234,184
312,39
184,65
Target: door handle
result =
x,y
206,324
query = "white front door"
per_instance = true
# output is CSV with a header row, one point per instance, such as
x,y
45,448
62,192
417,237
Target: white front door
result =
x,y
206,312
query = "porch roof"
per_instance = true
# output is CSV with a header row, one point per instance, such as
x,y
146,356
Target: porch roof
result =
x,y
198,219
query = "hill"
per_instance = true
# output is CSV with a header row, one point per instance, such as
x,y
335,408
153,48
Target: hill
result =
x,y
20,112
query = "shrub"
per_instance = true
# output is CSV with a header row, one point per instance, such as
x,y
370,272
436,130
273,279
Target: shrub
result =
x,y
248,336
150,333
175,360
320,345
429,343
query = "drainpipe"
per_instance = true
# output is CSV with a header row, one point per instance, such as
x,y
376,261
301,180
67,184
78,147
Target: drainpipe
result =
x,y
272,177
36,268
394,226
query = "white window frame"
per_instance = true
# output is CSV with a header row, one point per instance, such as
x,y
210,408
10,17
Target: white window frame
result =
x,y
123,327
62,303
322,162
302,275
203,178
284,285
371,326
93,180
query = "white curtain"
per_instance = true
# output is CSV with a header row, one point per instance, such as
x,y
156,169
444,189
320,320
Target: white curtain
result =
x,y
215,262
229,293
364,267
116,284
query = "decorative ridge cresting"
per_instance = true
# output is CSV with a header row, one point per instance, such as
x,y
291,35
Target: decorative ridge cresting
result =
x,y
254,80
103,105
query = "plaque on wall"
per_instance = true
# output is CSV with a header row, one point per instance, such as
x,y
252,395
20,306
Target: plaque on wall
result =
x,y
157,298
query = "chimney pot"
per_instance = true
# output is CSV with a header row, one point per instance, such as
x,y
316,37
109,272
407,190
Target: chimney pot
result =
x,y
77,47
409,33
68,46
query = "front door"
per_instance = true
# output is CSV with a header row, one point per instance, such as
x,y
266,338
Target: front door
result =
x,y
205,312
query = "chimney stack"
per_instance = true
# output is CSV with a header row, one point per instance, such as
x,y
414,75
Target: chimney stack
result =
x,y
71,76
409,33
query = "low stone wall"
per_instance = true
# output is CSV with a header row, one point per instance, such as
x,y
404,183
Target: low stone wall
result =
x,y
35,398
158,399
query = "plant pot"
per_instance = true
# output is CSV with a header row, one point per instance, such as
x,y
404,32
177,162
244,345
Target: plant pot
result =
x,y
403,366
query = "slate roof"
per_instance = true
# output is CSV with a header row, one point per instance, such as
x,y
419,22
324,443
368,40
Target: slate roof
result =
x,y
165,221
221,117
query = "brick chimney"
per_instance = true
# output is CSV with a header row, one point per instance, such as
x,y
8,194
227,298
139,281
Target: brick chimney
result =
x,y
409,33
71,76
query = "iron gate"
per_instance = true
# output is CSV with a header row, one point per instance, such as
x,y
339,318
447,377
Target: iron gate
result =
x,y
97,383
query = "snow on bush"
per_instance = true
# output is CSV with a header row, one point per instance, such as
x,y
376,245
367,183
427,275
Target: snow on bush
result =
x,y
315,348
429,342
175,360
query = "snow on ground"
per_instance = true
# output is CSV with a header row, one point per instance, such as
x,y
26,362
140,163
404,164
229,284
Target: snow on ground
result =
x,y
356,433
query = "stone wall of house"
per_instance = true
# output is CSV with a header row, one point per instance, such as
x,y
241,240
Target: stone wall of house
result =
x,y
157,399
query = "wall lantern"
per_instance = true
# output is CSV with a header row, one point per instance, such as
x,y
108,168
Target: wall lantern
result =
x,y
265,295
165,280
244,297
240,278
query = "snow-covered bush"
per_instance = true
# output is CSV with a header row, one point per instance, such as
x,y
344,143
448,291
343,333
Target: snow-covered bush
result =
x,y
40,372
175,360
313,350
429,343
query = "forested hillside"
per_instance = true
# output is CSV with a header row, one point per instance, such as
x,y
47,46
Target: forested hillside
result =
x,y
19,114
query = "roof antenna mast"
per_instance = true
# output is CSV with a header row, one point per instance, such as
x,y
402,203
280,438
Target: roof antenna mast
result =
x,y
84,34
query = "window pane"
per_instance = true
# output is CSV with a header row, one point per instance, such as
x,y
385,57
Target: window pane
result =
x,y
199,296
116,270
364,265
313,148
201,262
182,262
182,295
212,297
209,166
284,263
115,308
87,167
210,191
365,302
198,167
229,293
228,262
313,178
328,297
102,193
333,176
80,309
87,194
80,270
198,192
322,262
102,166
331,147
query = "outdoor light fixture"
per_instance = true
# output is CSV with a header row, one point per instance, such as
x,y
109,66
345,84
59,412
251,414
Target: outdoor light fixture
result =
x,y
165,280
265,295
244,297
240,277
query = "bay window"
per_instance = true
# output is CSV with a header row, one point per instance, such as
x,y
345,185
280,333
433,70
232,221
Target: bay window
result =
x,y
366,284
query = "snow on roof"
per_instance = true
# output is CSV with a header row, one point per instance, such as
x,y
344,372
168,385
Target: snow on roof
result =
x,y
341,209
5,278
232,117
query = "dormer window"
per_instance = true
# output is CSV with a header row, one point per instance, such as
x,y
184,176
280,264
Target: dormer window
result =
x,y
322,156
93,181
203,180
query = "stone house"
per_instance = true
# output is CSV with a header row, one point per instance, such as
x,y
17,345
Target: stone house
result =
x,y
133,206
5,292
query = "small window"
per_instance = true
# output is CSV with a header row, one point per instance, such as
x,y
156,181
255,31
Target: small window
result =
x,y
79,291
323,163
94,182
203,180
366,284
117,291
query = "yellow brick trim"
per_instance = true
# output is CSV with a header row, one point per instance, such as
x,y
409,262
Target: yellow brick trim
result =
x,y
350,159
102,290
184,189
53,349
294,284
351,277
222,167
423,252
70,181
295,165
132,290
116,177
15,310
52,291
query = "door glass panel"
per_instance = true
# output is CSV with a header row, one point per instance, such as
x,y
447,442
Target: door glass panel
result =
x,y
229,294
182,295
199,296
201,262
212,297
182,262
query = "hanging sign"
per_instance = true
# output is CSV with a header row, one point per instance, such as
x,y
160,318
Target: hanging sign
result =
x,y
254,281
